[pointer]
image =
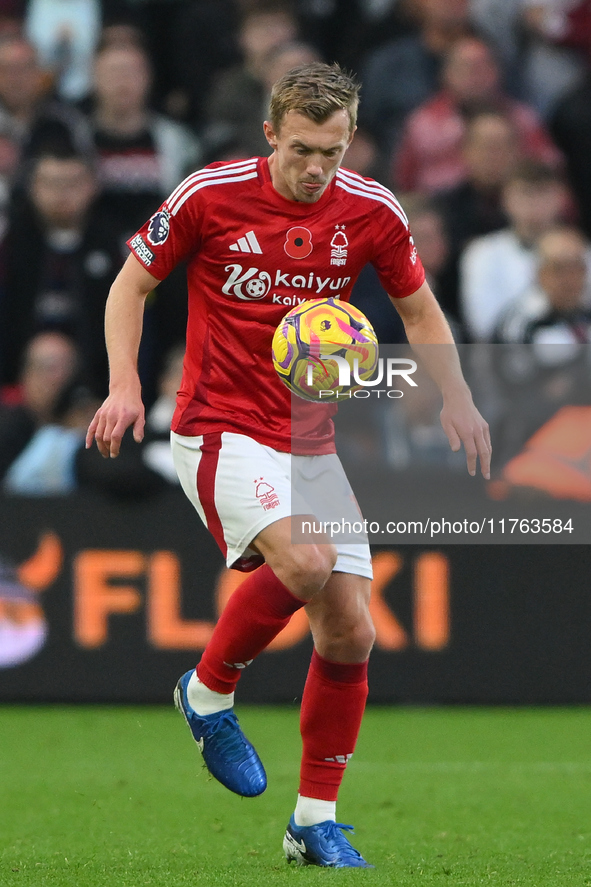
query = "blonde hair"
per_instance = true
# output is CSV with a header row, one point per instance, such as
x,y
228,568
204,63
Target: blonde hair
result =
x,y
316,90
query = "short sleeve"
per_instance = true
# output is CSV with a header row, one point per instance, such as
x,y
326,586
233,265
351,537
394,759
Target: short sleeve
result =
x,y
171,234
395,256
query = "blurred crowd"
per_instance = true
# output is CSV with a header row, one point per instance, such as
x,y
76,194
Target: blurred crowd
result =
x,y
477,113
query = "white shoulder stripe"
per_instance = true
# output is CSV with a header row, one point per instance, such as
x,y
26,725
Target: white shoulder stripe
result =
x,y
370,187
370,184
210,174
374,189
357,179
239,166
365,185
206,183
381,198
231,169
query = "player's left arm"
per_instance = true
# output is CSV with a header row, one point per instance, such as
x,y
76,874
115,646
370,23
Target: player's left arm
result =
x,y
425,325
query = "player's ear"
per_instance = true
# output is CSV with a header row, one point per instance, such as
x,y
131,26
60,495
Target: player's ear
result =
x,y
351,134
270,134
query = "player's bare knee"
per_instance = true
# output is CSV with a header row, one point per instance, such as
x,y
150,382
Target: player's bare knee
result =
x,y
361,636
364,637
348,640
313,566
307,568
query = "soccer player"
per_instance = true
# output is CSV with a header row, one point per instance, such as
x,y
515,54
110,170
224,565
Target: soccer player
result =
x,y
258,235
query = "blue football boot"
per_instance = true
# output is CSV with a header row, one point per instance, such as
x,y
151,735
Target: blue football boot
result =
x,y
323,844
227,753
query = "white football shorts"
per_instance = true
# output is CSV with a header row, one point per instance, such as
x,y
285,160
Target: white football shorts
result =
x,y
239,486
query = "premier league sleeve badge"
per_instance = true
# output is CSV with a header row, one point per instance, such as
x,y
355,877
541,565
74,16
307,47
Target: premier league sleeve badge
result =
x,y
159,227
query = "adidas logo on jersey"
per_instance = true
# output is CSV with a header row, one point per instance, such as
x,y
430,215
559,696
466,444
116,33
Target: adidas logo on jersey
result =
x,y
247,244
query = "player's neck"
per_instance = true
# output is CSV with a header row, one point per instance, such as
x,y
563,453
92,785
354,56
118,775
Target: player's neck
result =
x,y
277,180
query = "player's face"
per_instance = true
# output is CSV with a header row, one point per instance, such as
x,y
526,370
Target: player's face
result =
x,y
306,155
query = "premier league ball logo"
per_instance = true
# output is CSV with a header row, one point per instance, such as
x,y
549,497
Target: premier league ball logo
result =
x,y
158,227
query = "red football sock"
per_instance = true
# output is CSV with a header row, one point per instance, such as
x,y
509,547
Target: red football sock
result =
x,y
332,708
254,615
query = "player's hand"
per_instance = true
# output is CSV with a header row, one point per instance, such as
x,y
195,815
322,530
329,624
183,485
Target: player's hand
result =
x,y
120,410
463,424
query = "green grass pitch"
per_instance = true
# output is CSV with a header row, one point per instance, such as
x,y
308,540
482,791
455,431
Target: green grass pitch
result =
x,y
118,797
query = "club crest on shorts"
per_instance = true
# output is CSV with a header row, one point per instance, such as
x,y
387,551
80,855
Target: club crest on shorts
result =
x,y
266,494
158,227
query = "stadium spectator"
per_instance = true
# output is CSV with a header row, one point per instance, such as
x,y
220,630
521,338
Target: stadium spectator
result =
x,y
364,158
556,38
534,40
188,41
9,166
202,43
46,465
432,241
571,128
65,34
496,268
50,363
118,34
474,207
281,59
556,309
141,155
400,75
499,21
244,133
565,22
28,114
58,258
430,157
12,13
543,363
238,99
347,31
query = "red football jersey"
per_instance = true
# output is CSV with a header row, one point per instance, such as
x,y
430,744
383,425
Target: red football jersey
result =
x,y
252,255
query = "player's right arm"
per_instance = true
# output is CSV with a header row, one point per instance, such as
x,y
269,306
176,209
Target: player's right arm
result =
x,y
123,329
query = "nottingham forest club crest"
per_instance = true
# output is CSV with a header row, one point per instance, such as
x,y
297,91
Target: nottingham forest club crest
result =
x,y
338,246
